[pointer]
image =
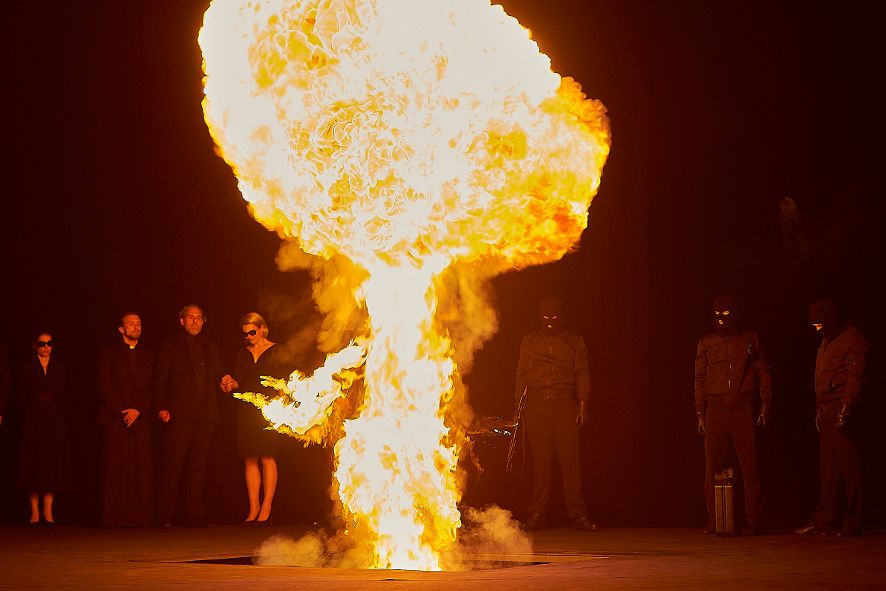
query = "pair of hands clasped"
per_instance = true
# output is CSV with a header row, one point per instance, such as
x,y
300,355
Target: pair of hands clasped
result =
x,y
228,384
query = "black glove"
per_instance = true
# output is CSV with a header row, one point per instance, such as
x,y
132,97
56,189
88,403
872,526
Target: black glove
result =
x,y
818,420
700,417
763,416
842,416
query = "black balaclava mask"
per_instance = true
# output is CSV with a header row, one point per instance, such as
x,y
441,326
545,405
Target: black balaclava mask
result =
x,y
824,317
550,316
725,319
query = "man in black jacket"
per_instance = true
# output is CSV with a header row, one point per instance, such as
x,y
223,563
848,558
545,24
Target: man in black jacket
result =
x,y
125,372
186,388
553,370
731,377
839,378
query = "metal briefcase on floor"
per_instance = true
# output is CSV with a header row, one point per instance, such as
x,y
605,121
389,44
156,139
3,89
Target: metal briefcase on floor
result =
x,y
723,503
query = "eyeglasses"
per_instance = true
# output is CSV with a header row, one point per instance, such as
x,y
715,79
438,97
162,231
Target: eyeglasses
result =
x,y
250,333
43,344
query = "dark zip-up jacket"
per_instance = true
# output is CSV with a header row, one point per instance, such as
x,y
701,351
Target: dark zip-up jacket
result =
x,y
556,364
839,367
731,369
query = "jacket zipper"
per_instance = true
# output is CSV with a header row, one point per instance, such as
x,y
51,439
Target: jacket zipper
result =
x,y
729,346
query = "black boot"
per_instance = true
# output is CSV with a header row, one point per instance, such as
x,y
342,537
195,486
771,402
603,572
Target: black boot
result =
x,y
584,524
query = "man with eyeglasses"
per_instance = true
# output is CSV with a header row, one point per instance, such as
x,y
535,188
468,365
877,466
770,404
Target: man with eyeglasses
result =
x,y
186,387
125,373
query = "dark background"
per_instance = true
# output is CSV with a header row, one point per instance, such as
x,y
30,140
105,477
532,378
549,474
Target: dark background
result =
x,y
114,199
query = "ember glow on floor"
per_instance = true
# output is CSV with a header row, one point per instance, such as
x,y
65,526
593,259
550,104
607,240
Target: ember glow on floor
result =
x,y
612,558
474,564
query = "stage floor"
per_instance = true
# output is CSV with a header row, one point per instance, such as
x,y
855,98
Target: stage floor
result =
x,y
85,558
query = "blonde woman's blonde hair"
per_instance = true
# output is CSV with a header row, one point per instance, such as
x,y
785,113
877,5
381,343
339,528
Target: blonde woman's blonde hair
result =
x,y
256,319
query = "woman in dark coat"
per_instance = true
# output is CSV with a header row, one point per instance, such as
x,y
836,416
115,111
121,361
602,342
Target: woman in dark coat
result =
x,y
256,445
44,466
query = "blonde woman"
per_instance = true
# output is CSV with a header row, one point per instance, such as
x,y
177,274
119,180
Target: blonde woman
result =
x,y
256,445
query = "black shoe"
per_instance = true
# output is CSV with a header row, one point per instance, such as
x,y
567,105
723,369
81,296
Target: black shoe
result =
x,y
584,524
264,522
534,522
811,530
849,532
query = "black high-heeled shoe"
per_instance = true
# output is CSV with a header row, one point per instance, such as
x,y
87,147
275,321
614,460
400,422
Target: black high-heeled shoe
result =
x,y
264,523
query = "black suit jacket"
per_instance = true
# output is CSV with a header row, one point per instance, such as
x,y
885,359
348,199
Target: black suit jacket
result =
x,y
176,381
121,388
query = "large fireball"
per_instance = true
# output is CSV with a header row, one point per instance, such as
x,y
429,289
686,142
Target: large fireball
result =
x,y
429,144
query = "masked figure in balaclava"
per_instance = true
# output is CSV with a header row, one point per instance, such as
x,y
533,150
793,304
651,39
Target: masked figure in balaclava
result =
x,y
553,369
839,377
731,378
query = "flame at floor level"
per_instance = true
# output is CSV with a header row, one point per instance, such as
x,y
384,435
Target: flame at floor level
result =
x,y
394,473
430,144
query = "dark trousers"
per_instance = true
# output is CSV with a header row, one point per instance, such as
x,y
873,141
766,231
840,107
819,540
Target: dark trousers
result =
x,y
186,442
735,422
128,476
551,431
839,457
